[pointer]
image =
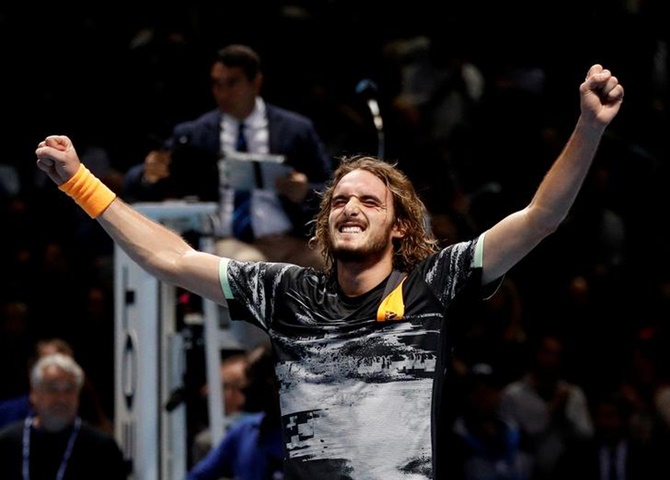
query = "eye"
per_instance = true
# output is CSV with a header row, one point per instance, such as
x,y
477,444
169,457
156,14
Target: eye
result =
x,y
371,202
338,202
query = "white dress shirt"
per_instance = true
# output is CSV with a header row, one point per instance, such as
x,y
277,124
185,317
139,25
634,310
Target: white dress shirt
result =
x,y
267,214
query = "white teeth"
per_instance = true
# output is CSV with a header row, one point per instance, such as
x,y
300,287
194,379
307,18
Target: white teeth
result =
x,y
352,230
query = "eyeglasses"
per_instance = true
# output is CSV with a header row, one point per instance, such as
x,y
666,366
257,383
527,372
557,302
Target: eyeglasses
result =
x,y
58,387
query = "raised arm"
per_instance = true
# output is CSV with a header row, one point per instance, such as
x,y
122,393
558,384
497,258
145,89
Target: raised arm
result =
x,y
157,249
515,236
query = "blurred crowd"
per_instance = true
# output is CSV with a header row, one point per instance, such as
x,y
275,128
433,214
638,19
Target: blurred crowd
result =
x,y
475,101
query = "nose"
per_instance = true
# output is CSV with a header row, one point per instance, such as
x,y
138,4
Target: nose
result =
x,y
352,207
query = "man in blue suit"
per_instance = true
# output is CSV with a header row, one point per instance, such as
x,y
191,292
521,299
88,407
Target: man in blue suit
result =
x,y
190,161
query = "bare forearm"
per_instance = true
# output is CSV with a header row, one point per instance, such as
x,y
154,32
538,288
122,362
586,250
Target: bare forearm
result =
x,y
559,188
151,245
511,239
155,248
162,252
600,98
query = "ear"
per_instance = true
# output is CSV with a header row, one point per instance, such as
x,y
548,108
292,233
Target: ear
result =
x,y
258,82
398,231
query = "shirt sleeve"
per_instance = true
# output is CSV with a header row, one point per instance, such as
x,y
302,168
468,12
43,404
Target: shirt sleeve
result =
x,y
223,278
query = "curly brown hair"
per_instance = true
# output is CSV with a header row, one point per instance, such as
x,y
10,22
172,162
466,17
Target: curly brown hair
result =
x,y
410,213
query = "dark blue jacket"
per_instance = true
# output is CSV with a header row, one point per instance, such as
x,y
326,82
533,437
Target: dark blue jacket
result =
x,y
196,148
250,450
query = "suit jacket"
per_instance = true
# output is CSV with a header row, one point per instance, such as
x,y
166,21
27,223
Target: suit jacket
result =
x,y
196,148
581,461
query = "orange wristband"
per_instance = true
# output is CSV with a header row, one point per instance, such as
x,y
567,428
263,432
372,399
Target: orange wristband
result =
x,y
88,191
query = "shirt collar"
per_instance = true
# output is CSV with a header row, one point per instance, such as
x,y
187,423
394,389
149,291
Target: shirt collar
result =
x,y
256,119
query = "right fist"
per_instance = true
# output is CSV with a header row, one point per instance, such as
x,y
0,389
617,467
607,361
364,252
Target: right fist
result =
x,y
57,157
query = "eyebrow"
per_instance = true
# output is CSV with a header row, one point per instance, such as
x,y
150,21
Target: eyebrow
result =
x,y
361,198
58,386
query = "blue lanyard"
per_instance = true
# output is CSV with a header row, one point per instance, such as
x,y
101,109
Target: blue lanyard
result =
x,y
66,456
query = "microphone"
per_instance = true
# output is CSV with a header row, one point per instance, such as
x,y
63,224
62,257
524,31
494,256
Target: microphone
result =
x,y
368,89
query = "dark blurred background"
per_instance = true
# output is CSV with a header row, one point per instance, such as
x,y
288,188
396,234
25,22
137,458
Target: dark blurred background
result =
x,y
477,97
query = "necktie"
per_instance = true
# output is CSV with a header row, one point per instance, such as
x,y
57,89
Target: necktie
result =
x,y
242,213
241,144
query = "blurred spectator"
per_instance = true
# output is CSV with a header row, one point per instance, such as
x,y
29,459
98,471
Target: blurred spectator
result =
x,y
612,453
55,442
19,407
275,217
431,114
646,386
90,404
550,410
483,444
187,164
253,448
233,379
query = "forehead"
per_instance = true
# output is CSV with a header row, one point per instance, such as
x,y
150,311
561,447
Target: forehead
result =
x,y
52,374
219,70
361,182
233,370
55,381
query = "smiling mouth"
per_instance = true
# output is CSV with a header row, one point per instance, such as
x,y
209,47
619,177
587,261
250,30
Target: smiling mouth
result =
x,y
351,229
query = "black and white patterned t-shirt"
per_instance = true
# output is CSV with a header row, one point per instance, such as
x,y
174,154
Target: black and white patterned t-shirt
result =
x,y
355,391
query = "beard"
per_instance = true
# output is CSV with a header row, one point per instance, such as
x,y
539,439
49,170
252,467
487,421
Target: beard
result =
x,y
371,249
347,255
56,423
